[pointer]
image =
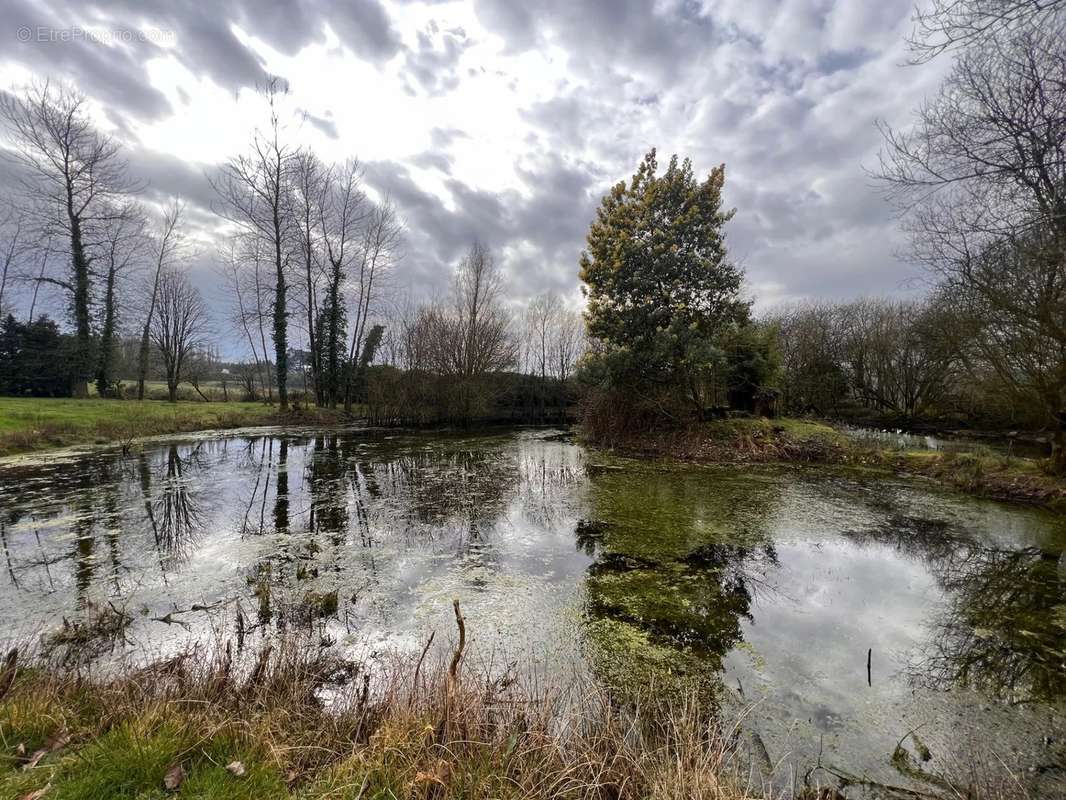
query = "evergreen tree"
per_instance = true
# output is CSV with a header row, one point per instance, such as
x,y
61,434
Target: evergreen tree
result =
x,y
35,359
660,286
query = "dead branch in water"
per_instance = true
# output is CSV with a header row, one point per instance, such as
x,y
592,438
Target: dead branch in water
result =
x,y
458,655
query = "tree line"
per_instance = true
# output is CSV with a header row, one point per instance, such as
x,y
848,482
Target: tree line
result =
x,y
308,258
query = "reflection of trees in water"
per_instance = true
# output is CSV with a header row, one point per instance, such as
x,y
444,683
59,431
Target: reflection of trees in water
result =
x,y
678,560
697,603
435,486
257,456
354,505
281,490
1002,628
83,498
548,475
174,507
328,488
344,505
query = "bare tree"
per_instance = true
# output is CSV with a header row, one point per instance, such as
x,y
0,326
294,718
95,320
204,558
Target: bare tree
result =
x,y
74,179
981,179
170,248
344,218
13,246
481,342
246,316
122,243
812,345
181,326
946,25
568,344
382,248
309,177
253,191
542,321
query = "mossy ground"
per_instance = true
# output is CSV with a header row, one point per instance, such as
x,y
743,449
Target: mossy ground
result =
x,y
785,440
29,424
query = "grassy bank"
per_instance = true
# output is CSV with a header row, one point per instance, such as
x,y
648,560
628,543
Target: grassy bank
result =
x,y
296,721
29,424
739,441
256,726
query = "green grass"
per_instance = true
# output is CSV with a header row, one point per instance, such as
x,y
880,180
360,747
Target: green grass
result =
x,y
29,424
423,734
436,732
797,430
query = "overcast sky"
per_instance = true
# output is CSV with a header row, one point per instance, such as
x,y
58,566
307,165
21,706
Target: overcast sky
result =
x,y
509,119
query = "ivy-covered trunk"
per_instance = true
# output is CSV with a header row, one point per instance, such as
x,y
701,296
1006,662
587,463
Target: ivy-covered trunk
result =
x,y
107,339
83,354
281,356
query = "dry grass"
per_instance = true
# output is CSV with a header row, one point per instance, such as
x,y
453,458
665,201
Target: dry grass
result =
x,y
293,719
999,477
733,441
306,723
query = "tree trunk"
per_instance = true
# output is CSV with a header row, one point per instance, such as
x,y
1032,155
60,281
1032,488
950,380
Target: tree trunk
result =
x,y
82,323
312,341
280,321
142,355
107,335
1058,446
172,391
142,363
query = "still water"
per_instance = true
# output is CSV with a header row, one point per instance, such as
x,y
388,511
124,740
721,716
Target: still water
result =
x,y
845,612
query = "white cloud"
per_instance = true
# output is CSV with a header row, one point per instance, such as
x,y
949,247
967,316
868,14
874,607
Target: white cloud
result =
x,y
509,120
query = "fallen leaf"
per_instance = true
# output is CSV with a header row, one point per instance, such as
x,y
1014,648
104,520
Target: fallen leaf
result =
x,y
174,778
35,758
428,777
21,749
38,794
55,742
237,768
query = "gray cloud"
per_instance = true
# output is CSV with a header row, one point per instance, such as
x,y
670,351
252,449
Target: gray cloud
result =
x,y
324,124
548,222
785,93
167,176
205,43
433,64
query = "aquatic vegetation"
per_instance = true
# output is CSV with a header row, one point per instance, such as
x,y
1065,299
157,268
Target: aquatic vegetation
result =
x,y
98,629
768,585
319,604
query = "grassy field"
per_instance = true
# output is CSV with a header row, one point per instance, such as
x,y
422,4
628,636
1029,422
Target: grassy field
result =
x,y
28,424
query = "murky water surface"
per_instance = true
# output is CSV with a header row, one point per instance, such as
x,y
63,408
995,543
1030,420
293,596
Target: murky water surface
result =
x,y
849,611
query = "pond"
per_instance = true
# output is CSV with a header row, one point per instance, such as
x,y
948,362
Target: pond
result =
x,y
899,439
842,612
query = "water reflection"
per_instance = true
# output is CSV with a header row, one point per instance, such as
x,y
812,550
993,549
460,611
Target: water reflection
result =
x,y
768,585
1001,628
678,561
